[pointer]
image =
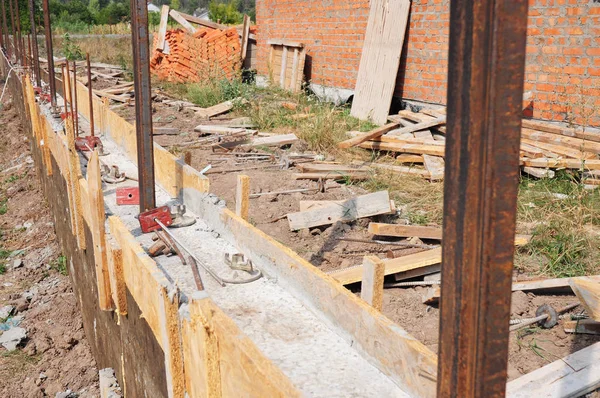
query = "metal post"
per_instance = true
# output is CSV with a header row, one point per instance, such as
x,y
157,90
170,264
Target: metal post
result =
x,y
90,93
34,45
143,103
48,31
19,41
485,91
5,30
68,93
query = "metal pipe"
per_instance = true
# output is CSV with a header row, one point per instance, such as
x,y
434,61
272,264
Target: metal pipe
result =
x,y
485,91
5,43
48,33
74,90
143,103
90,93
34,45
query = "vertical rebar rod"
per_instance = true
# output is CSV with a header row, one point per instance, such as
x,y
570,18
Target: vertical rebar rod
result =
x,y
485,92
50,53
5,30
2,28
64,96
12,31
68,93
76,114
24,57
143,103
34,45
19,39
90,93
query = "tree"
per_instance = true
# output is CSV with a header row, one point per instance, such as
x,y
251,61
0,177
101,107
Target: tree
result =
x,y
225,13
175,4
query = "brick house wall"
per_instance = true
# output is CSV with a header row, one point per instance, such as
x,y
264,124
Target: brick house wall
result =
x,y
563,50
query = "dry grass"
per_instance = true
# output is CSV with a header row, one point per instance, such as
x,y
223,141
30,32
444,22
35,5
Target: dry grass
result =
x,y
110,50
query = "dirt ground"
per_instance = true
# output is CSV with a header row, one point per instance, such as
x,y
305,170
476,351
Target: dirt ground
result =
x,y
54,360
530,348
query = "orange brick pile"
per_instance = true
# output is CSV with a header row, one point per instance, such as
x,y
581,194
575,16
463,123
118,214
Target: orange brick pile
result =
x,y
207,54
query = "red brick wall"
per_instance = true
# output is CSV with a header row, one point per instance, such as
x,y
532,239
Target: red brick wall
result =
x,y
563,50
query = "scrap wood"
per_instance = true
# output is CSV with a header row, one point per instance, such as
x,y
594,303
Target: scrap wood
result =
x,y
588,164
217,129
589,134
559,149
406,147
368,136
332,175
401,264
359,207
275,140
405,138
572,376
182,21
535,152
587,290
162,28
571,142
582,326
538,173
403,169
315,204
419,126
332,167
408,158
214,110
118,98
435,166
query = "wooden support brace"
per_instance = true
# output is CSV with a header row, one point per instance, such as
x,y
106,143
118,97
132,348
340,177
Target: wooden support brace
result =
x,y
242,196
372,281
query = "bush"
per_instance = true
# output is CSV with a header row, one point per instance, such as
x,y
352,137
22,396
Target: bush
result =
x,y
225,13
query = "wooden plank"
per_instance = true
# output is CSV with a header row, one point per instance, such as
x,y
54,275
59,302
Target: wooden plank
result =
x,y
313,204
572,376
380,59
309,167
242,196
378,132
98,215
543,284
577,143
294,77
590,164
359,207
245,36
538,173
117,282
182,21
420,126
534,152
418,149
214,110
284,57
162,27
587,290
583,133
435,166
559,149
582,326
371,288
284,42
407,158
275,140
403,169
202,22
392,266
405,231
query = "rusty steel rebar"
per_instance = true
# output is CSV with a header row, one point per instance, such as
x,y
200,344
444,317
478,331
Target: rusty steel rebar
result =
x,y
143,103
90,93
34,45
15,48
5,31
19,38
68,93
64,97
50,53
74,96
485,91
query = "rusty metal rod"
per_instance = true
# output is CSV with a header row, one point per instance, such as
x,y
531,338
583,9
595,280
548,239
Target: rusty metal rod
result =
x,y
143,103
485,91
5,43
34,45
90,93
13,31
50,53
64,97
68,93
74,89
19,39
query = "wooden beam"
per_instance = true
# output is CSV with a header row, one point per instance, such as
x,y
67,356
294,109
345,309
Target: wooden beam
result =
x,y
420,126
371,289
275,140
182,21
572,376
583,133
359,207
587,290
405,231
332,175
435,166
284,42
538,173
582,326
392,266
245,36
242,196
407,158
418,149
559,149
202,22
571,142
162,27
378,132
590,164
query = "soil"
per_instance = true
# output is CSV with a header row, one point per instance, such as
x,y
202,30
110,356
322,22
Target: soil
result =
x,y
55,357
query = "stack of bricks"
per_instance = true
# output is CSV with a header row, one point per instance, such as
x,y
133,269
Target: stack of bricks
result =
x,y
205,55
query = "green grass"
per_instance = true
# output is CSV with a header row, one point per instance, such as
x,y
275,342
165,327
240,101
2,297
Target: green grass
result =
x,y
60,265
3,207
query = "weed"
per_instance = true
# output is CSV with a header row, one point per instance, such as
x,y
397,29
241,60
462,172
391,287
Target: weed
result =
x,y
2,269
3,207
12,179
60,264
565,250
4,254
71,50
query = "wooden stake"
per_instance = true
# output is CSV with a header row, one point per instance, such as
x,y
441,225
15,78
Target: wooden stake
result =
x,y
371,289
242,196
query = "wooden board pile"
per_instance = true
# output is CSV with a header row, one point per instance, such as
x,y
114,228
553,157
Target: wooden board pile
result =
x,y
207,54
418,142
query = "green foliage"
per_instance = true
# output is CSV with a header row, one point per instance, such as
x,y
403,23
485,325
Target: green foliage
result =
x,y
2,269
71,12
71,50
175,4
3,207
225,13
113,13
60,264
